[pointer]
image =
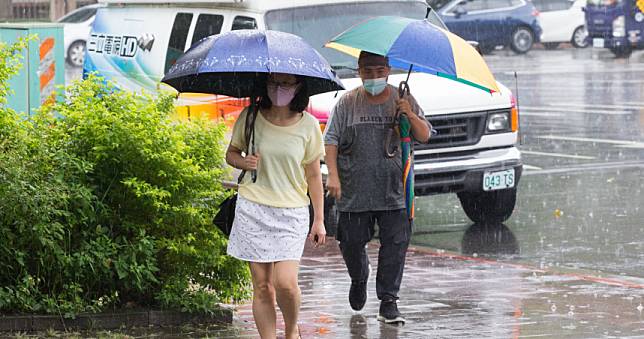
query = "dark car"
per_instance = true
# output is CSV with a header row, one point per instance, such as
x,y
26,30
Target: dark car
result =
x,y
493,23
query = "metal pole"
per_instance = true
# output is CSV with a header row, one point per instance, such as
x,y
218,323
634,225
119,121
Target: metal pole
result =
x,y
516,98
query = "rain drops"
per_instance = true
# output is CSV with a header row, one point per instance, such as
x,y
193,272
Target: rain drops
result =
x,y
640,308
553,308
558,213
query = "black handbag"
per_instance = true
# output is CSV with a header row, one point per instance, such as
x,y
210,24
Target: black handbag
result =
x,y
226,215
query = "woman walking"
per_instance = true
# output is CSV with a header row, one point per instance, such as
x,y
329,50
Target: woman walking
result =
x,y
272,216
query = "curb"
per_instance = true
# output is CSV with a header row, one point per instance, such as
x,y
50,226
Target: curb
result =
x,y
100,321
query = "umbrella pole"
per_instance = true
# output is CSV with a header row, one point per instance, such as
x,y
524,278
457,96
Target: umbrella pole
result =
x,y
408,74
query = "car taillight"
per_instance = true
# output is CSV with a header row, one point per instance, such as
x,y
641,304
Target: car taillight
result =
x,y
535,12
515,114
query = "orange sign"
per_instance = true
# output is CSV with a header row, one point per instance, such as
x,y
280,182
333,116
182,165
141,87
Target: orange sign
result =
x,y
47,71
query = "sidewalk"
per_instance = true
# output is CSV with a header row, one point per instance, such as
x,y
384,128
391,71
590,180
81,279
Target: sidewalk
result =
x,y
447,295
325,311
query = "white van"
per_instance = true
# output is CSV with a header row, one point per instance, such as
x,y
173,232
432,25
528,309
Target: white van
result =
x,y
474,155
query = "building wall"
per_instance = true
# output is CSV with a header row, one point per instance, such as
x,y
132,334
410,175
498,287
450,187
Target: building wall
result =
x,y
38,10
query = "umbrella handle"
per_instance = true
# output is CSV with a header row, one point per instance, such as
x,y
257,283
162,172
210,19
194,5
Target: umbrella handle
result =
x,y
390,152
403,89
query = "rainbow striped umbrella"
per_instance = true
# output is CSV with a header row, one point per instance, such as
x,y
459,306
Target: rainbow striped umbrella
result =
x,y
420,46
408,165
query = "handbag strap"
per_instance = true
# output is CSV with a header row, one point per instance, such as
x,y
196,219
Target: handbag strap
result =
x,y
249,134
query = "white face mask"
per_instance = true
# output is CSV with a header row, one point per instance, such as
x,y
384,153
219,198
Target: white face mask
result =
x,y
374,86
281,96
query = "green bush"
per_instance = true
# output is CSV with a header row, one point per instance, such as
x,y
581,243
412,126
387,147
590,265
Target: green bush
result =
x,y
105,201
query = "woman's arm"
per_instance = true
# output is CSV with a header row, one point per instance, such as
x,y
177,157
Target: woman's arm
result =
x,y
235,159
314,180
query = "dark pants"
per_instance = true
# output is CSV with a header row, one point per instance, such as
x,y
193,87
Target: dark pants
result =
x,y
356,229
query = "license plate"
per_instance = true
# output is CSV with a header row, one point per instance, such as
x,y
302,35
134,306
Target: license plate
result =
x,y
498,180
598,42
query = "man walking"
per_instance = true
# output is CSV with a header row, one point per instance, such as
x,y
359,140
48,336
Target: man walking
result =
x,y
366,181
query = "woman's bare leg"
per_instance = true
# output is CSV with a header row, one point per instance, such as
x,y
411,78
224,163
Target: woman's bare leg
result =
x,y
288,294
263,299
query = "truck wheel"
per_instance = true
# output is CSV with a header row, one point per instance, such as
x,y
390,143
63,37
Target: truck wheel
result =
x,y
521,40
579,37
331,216
622,52
550,45
495,206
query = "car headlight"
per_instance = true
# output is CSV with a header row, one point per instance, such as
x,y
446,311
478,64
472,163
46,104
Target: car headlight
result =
x,y
498,122
619,27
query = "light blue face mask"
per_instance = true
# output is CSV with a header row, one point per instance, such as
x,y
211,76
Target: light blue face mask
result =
x,y
374,86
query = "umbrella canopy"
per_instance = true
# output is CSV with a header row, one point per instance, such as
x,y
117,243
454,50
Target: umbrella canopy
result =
x,y
417,44
231,63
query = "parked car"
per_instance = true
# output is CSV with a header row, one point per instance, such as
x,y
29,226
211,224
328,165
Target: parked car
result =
x,y
493,23
77,26
474,153
562,21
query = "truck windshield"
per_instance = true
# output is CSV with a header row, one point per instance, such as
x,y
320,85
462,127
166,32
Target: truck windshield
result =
x,y
318,24
603,2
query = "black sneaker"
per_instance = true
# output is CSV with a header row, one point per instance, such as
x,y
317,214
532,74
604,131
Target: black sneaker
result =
x,y
389,313
358,295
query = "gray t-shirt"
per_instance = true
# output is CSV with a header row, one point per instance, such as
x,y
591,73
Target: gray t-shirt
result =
x,y
369,179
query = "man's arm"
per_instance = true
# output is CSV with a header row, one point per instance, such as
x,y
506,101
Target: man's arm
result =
x,y
333,179
334,129
420,128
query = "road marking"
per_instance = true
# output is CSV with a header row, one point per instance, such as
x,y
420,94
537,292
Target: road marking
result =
x,y
618,143
531,168
560,155
588,167
638,103
571,110
534,114
567,70
636,145
580,104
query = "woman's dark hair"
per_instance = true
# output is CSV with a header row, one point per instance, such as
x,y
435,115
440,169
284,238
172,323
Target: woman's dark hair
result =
x,y
299,102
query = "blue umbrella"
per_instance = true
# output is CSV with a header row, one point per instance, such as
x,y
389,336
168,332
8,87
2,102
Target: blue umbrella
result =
x,y
232,63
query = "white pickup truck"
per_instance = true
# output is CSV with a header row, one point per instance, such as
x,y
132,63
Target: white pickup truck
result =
x,y
474,152
133,43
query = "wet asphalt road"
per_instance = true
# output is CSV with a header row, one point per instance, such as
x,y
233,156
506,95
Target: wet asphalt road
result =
x,y
580,208
569,263
580,203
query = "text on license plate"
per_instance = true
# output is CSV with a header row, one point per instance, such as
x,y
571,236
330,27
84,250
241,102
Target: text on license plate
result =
x,y
498,180
598,43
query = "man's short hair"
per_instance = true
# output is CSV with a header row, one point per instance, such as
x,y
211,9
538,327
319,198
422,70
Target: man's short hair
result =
x,y
370,59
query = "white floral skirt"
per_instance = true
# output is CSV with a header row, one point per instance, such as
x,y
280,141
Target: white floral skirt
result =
x,y
262,233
